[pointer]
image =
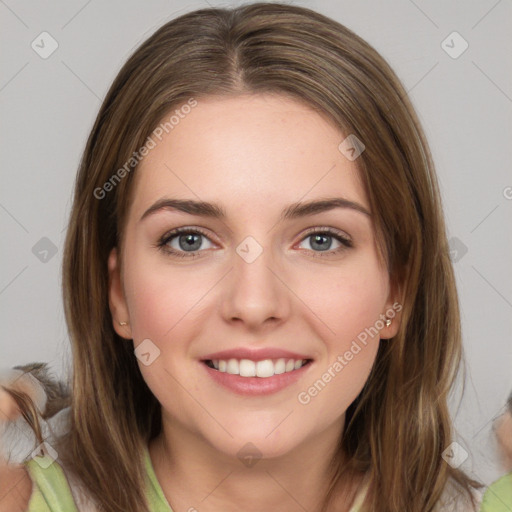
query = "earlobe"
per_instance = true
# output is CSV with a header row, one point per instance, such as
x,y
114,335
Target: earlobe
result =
x,y
393,314
391,325
117,301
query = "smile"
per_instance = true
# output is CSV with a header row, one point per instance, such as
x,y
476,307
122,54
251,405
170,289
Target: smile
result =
x,y
254,371
263,369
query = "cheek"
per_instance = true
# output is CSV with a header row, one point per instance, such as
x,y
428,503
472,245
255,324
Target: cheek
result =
x,y
340,378
161,301
348,305
163,307
346,300
166,306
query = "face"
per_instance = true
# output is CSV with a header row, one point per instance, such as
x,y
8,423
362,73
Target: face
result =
x,y
252,290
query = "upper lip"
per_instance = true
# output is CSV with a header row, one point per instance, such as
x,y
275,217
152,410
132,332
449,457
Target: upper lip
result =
x,y
255,354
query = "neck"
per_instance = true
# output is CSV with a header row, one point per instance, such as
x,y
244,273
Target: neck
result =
x,y
195,476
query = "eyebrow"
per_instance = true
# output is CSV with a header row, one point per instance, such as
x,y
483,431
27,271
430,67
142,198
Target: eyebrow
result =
x,y
214,210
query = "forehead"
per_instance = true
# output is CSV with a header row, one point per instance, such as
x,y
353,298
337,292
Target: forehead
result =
x,y
248,151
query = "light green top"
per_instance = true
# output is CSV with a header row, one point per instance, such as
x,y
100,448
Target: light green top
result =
x,y
498,496
51,491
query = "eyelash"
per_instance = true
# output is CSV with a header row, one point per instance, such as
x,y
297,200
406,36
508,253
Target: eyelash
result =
x,y
346,243
162,243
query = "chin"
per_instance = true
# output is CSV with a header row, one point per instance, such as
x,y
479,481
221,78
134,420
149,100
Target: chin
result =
x,y
248,452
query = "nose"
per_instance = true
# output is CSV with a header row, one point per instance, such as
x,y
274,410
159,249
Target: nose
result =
x,y
256,292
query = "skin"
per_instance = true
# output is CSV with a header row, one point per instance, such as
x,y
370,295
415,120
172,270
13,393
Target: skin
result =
x,y
503,428
15,483
253,154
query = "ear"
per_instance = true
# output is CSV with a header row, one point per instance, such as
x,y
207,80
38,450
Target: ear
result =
x,y
393,308
116,298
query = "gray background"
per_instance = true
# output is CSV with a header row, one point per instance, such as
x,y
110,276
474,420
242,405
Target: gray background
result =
x,y
465,103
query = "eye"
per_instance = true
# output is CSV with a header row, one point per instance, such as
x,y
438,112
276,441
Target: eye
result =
x,y
321,241
187,244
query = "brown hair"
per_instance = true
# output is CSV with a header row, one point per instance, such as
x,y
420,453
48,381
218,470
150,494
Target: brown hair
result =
x,y
399,425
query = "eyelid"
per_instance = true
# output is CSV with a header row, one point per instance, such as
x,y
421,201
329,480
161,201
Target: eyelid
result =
x,y
185,229
329,230
344,239
173,233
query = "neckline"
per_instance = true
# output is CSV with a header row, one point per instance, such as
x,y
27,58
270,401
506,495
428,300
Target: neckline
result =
x,y
157,496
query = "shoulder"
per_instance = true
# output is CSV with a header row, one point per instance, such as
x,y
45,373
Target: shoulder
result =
x,y
50,487
498,495
15,489
54,485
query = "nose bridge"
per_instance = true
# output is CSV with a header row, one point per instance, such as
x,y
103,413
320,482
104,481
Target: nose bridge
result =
x,y
255,293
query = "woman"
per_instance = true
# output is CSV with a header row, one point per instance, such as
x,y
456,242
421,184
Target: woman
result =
x,y
301,354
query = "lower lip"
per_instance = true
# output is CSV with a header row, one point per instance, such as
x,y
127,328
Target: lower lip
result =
x,y
256,386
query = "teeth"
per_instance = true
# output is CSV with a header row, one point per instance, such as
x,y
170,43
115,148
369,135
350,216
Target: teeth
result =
x,y
247,368
279,366
263,369
233,367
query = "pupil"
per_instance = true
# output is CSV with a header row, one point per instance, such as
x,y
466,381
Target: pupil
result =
x,y
318,238
190,241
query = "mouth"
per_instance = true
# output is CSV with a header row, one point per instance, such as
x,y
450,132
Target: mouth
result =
x,y
263,369
250,377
